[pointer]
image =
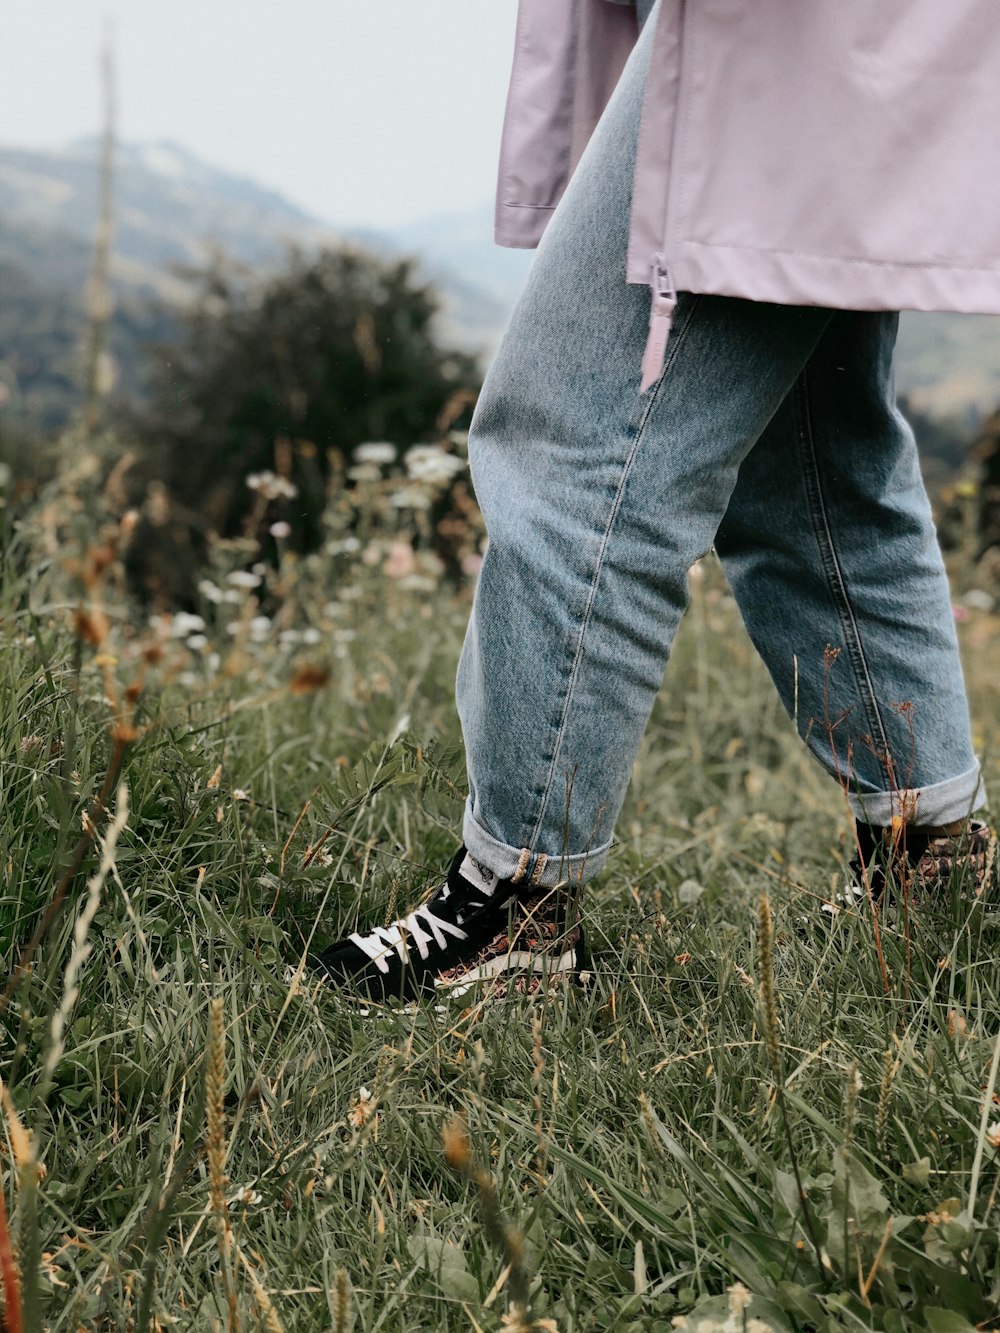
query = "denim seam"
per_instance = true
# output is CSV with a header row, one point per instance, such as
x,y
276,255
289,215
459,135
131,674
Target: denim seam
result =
x,y
647,401
834,572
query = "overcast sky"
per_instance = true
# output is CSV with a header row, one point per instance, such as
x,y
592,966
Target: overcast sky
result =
x,y
362,111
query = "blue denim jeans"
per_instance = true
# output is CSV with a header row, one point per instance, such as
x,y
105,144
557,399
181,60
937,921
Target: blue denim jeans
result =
x,y
771,434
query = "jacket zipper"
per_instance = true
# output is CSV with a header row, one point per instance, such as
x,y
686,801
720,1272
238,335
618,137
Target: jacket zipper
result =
x,y
664,294
661,317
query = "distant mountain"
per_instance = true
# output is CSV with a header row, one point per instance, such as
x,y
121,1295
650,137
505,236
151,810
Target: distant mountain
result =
x,y
172,209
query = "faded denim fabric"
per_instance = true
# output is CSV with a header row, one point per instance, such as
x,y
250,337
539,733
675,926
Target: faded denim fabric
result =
x,y
771,433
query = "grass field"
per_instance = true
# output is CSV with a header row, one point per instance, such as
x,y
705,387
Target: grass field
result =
x,y
196,1140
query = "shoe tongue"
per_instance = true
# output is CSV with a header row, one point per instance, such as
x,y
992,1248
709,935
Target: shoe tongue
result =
x,y
478,875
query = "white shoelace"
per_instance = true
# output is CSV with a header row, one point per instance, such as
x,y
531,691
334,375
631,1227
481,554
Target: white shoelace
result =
x,y
380,942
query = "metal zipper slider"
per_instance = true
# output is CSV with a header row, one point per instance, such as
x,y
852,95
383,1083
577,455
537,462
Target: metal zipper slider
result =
x,y
660,319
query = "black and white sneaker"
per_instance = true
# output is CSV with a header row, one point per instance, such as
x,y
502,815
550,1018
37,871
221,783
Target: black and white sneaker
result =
x,y
473,928
922,870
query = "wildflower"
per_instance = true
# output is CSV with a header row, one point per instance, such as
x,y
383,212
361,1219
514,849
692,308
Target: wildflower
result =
x,y
239,794
961,613
376,452
364,473
196,642
243,578
993,1134
430,463
957,1025
410,497
400,561
210,591
281,530
271,486
472,564
183,624
344,546
361,1109
246,1195
518,1321
979,600
418,583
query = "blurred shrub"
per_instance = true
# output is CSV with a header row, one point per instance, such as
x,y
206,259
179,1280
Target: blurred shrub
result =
x,y
288,375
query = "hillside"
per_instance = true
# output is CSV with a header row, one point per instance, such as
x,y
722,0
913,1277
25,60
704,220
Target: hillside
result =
x,y
173,211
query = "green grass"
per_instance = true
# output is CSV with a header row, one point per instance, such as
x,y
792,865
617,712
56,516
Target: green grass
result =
x,y
631,1129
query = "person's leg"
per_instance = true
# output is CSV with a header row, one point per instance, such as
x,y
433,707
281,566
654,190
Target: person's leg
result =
x,y
830,549
597,500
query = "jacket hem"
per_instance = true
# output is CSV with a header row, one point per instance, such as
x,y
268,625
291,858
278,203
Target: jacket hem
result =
x,y
783,277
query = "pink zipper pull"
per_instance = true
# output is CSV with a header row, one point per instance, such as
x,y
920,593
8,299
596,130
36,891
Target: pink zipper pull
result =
x,y
660,319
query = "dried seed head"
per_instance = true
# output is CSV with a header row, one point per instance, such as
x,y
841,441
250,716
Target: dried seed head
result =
x,y
889,1069
309,677
342,1301
20,1138
768,993
91,626
457,1149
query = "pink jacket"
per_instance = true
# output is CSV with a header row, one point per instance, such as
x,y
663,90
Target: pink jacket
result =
x,y
843,153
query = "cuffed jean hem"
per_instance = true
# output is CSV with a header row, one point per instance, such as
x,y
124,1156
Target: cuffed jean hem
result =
x,y
523,866
941,803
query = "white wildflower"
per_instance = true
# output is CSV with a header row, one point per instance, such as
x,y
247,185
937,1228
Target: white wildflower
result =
x,y
246,1195
375,452
210,591
362,1109
243,578
410,497
271,486
363,472
430,463
417,583
281,530
345,546
183,624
